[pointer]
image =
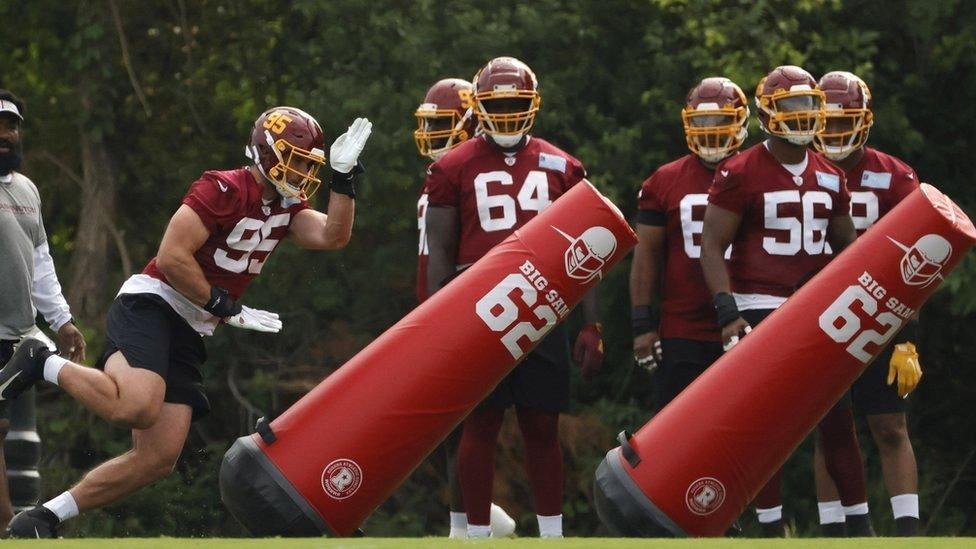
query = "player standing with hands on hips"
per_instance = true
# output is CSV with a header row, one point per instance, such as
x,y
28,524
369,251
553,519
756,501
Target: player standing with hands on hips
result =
x,y
216,243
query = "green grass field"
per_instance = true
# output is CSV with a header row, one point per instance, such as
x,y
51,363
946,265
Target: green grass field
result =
x,y
568,543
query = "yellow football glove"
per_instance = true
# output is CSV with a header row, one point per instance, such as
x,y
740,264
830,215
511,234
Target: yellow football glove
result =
x,y
904,366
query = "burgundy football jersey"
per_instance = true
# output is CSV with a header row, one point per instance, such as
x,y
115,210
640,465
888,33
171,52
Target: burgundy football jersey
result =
x,y
678,193
496,192
422,252
783,235
243,228
877,184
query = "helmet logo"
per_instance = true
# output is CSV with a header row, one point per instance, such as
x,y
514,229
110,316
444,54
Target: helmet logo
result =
x,y
588,253
277,122
923,262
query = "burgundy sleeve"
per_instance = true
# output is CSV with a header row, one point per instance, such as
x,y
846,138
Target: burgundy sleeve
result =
x,y
575,173
215,201
442,190
650,206
728,192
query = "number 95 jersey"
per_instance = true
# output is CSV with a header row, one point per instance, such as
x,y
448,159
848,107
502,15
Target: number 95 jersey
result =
x,y
244,229
496,192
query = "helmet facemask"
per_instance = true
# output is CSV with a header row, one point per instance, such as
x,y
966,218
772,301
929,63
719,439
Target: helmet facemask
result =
x,y
714,133
439,130
797,115
845,131
506,113
295,174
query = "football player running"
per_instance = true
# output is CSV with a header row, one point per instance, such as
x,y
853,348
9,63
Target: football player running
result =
x,y
479,194
782,208
681,336
444,121
148,379
877,182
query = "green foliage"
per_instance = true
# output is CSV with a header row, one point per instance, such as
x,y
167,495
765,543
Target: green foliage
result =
x,y
613,74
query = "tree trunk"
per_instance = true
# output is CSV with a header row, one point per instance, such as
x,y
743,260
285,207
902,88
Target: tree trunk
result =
x,y
87,293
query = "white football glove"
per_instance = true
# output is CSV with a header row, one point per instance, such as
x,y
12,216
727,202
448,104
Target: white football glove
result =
x,y
255,319
735,339
344,153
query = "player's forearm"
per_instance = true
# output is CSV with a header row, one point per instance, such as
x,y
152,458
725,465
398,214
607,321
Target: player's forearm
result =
x,y
440,266
185,275
338,225
714,269
643,279
841,232
591,306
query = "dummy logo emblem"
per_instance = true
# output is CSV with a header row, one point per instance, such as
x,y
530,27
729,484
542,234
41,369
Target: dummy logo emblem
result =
x,y
341,478
705,496
588,253
923,262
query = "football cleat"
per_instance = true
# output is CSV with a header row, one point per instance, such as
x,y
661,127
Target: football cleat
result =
x,y
38,522
502,525
24,368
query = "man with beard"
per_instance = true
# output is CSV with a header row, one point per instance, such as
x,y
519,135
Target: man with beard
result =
x,y
27,271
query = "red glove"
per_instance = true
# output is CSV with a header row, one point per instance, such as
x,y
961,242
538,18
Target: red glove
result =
x,y
588,350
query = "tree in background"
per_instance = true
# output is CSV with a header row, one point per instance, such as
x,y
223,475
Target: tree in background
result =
x,y
129,102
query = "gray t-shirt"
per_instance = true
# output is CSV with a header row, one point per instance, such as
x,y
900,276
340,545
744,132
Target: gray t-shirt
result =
x,y
21,230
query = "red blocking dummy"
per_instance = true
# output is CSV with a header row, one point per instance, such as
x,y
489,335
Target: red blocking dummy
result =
x,y
339,452
698,463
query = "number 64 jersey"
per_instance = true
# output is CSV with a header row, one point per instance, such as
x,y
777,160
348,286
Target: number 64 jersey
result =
x,y
244,230
496,192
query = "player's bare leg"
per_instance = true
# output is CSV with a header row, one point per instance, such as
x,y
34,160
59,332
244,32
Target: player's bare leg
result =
x,y
125,396
154,453
898,467
829,507
544,467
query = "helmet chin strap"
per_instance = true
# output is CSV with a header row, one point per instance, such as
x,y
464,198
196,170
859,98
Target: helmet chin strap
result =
x,y
507,141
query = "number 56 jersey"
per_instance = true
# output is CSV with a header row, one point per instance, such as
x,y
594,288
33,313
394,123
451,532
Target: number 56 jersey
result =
x,y
496,192
782,238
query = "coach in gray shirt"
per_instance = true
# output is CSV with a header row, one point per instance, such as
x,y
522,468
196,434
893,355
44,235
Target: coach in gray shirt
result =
x,y
28,283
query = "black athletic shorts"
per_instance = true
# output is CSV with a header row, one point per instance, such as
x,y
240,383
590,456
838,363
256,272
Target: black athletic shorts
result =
x,y
871,392
540,381
152,336
6,351
683,360
755,316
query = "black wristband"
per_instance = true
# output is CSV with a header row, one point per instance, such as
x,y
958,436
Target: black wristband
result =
x,y
644,319
726,310
221,304
342,183
908,333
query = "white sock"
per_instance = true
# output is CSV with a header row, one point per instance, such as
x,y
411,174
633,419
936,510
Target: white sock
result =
x,y
550,527
905,505
770,515
63,506
52,367
831,512
478,531
459,525
856,509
